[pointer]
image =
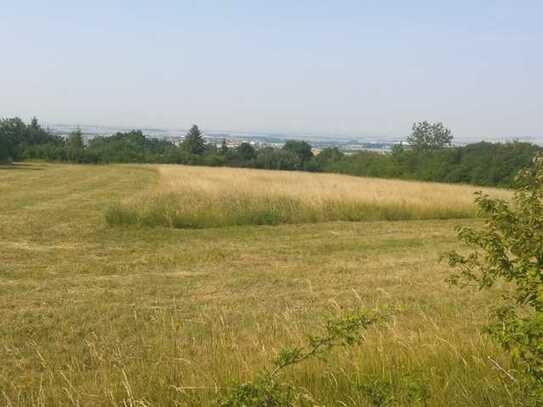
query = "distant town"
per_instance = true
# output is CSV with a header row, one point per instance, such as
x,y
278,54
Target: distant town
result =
x,y
234,139
347,144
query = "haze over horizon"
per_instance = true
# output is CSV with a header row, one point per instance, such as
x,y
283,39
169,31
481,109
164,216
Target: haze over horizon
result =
x,y
345,67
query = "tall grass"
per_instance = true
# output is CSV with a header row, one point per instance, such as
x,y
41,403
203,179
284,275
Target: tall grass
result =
x,y
196,197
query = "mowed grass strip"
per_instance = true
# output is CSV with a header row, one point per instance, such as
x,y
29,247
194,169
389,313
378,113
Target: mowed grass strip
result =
x,y
201,197
99,316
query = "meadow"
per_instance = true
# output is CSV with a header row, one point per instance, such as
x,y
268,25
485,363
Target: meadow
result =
x,y
111,314
200,197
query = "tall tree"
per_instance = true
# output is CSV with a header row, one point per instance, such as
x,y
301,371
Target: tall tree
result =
x,y
224,147
4,149
246,152
34,123
301,149
427,136
13,134
194,142
329,154
74,146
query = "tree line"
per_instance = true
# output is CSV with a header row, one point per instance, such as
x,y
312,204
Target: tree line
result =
x,y
428,154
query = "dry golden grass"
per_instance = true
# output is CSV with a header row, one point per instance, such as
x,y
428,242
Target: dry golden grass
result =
x,y
316,189
97,316
208,197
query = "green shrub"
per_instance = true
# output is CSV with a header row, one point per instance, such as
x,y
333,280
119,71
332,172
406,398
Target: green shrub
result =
x,y
510,248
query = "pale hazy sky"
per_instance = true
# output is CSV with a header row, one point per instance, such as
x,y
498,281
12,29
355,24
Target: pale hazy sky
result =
x,y
350,67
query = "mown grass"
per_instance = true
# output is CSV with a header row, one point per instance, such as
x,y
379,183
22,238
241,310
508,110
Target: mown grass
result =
x,y
99,316
188,197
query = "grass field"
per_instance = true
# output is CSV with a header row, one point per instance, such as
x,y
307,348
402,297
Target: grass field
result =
x,y
199,197
93,315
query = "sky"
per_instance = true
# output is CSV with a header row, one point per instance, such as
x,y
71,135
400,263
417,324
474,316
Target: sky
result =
x,y
360,68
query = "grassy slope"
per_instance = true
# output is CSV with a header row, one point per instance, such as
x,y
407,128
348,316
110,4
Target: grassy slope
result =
x,y
95,316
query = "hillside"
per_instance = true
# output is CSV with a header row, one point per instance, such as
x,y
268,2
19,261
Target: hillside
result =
x,y
95,315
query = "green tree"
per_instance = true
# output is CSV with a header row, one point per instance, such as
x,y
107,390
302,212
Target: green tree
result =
x,y
4,151
74,146
301,149
329,155
13,134
35,134
246,152
510,248
20,141
276,159
427,136
5,144
194,142
34,123
224,148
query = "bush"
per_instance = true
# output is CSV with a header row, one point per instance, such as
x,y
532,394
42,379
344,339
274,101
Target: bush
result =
x,y
510,248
